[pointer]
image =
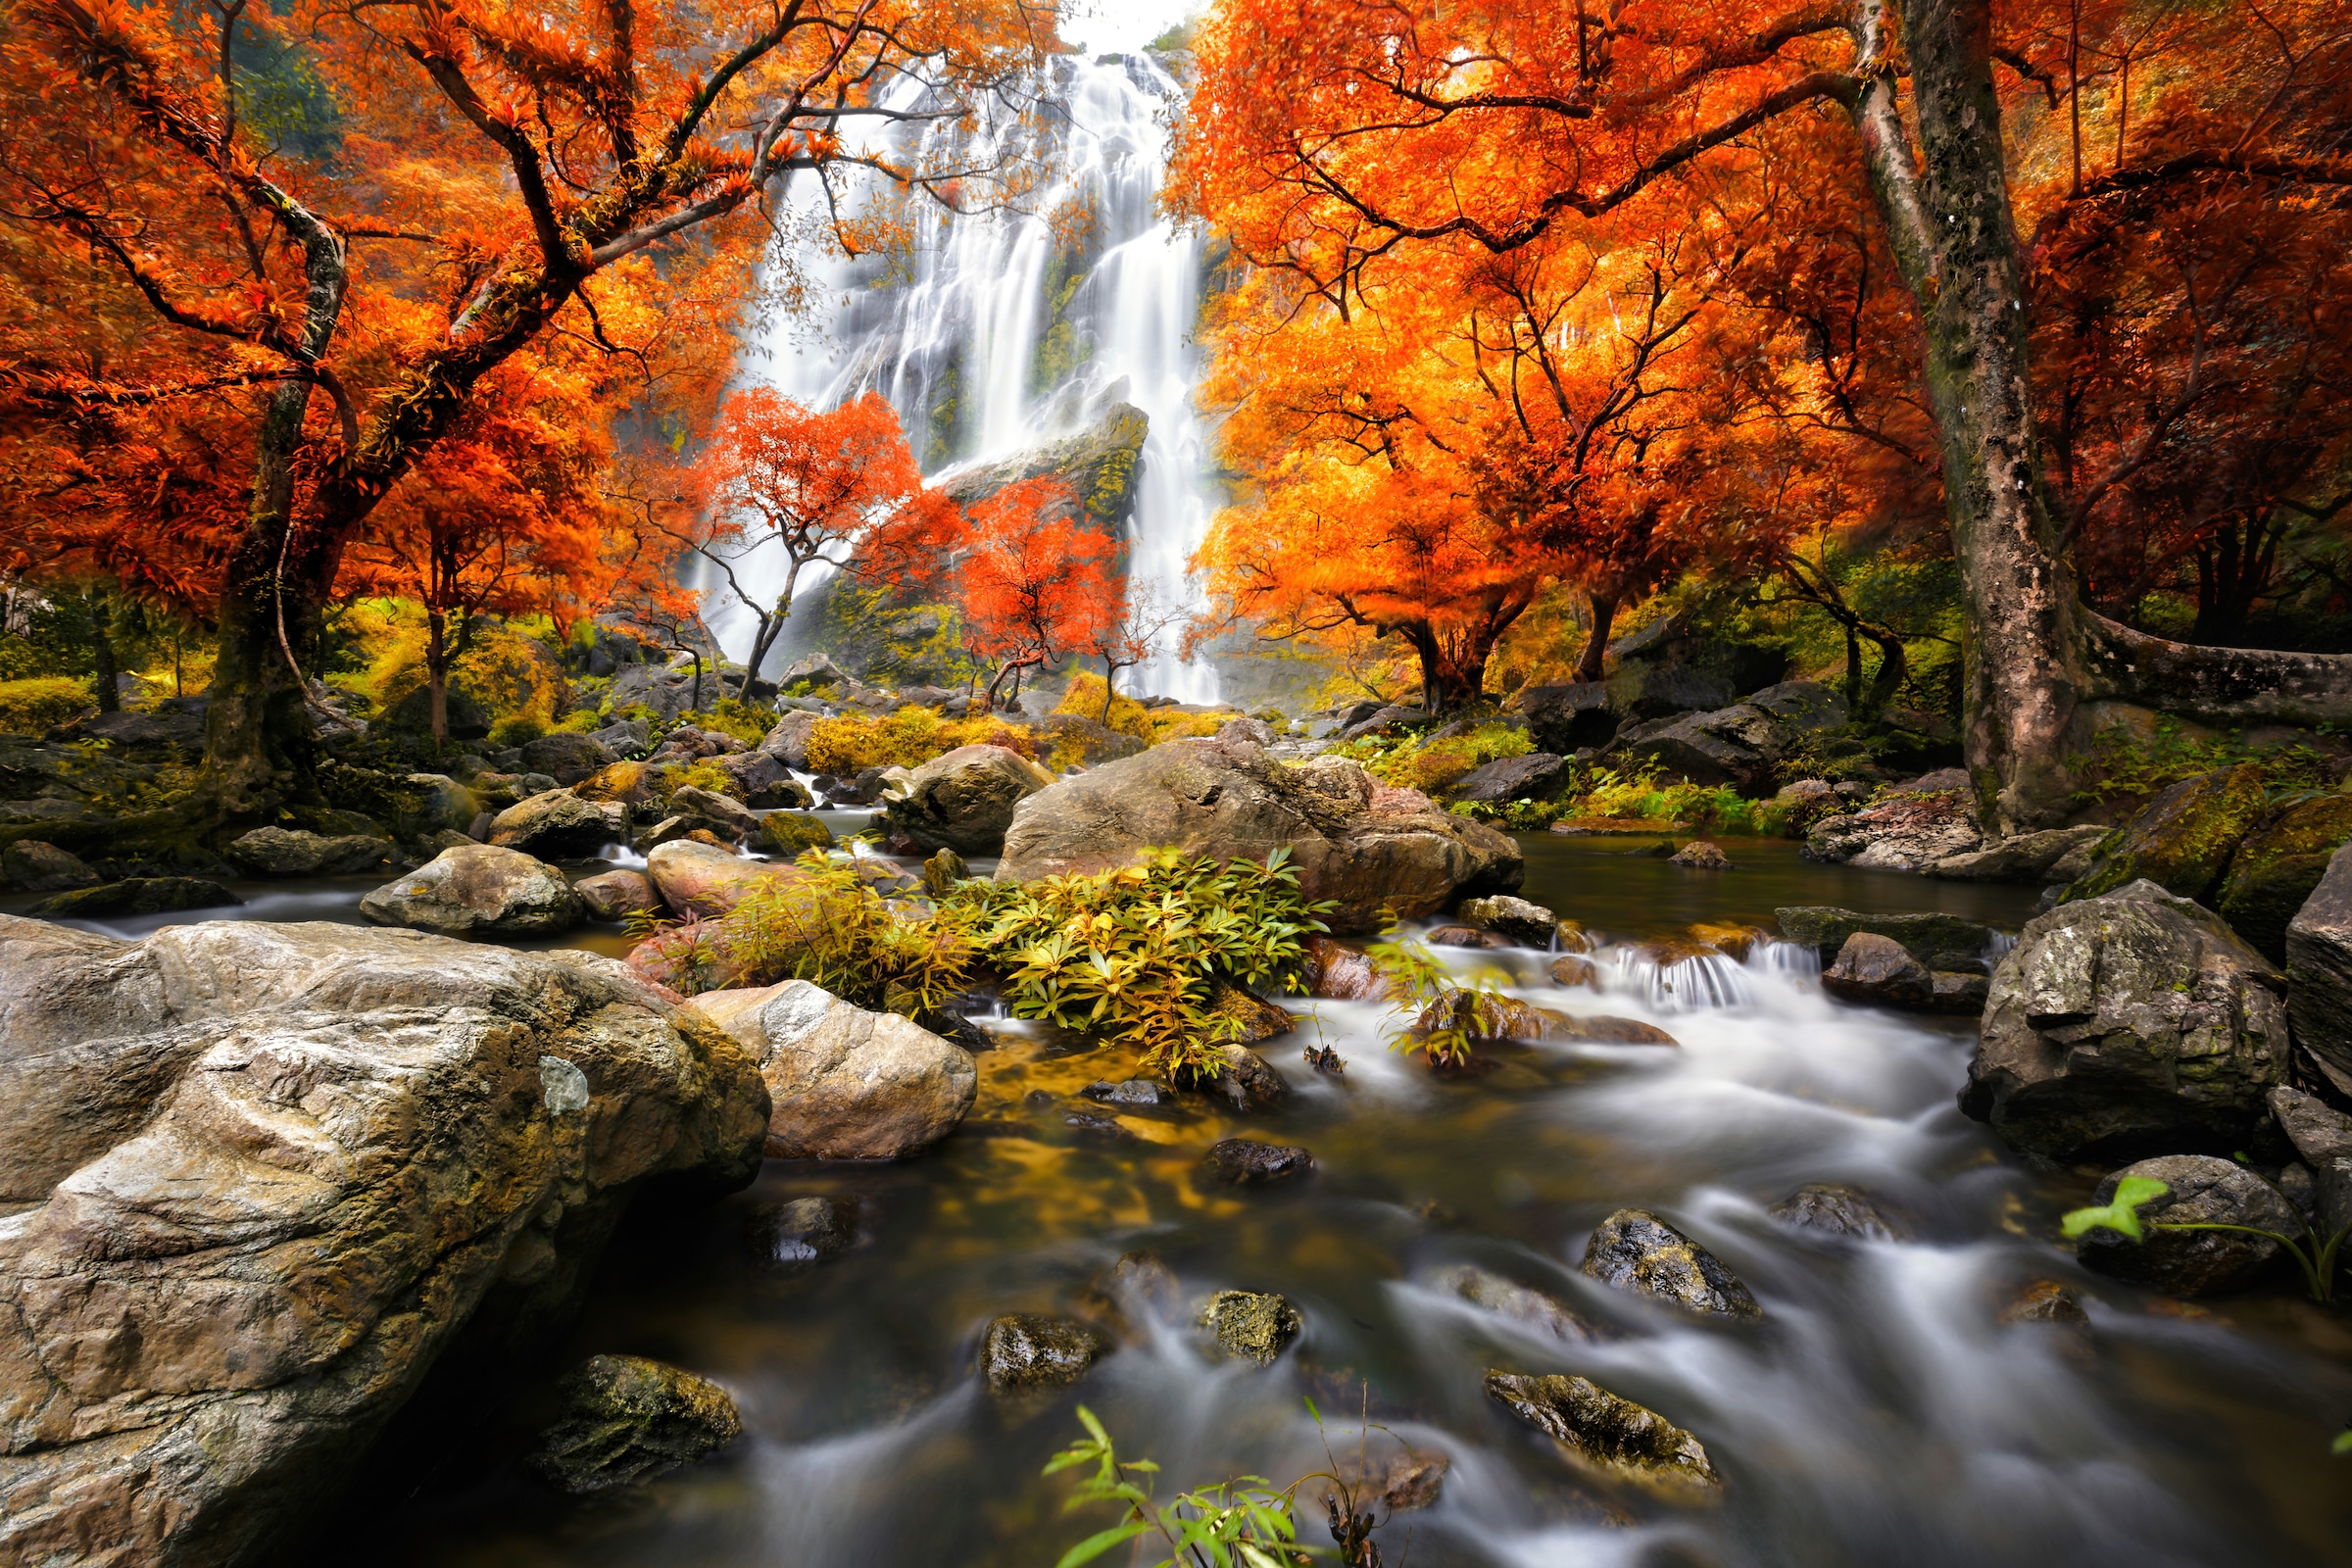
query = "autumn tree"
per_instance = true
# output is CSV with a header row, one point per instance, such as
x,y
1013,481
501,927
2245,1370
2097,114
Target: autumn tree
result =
x,y
468,183
785,488
1340,139
1032,583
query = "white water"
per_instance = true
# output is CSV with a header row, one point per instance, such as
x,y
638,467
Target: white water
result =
x,y
967,319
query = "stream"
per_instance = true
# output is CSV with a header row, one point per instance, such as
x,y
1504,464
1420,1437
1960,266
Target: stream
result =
x,y
1880,1414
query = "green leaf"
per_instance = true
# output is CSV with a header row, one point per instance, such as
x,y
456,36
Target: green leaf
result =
x,y
1096,1544
2123,1215
2343,1445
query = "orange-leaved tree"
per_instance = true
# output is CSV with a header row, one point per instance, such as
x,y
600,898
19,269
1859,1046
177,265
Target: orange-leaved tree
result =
x,y
1032,583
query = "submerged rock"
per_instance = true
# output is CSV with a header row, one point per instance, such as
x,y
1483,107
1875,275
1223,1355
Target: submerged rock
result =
x,y
803,1230
1878,972
1634,1249
1369,849
139,895
1700,855
1522,1304
1247,1163
276,852
1126,1092
1612,1435
2128,1024
1253,1326
632,1419
1828,1209
2045,1302
1023,1351
845,1083
2204,1190
478,890
2183,840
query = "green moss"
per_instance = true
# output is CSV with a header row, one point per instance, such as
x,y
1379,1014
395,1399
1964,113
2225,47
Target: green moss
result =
x,y
29,707
2278,865
2185,838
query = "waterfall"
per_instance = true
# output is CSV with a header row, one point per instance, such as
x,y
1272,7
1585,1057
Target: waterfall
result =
x,y
1001,332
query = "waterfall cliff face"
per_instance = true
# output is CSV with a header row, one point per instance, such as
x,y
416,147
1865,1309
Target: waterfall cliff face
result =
x,y
1004,330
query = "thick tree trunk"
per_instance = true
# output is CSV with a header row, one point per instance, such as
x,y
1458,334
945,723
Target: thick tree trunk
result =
x,y
1590,665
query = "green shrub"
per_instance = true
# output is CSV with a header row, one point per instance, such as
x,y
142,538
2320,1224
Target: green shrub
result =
x,y
29,707
580,721
518,730
732,715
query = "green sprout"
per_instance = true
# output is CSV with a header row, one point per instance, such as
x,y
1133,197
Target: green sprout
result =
x,y
2317,1258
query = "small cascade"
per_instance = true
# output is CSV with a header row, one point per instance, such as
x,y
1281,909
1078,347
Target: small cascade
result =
x,y
1684,984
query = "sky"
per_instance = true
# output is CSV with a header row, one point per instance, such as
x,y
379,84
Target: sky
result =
x,y
1115,26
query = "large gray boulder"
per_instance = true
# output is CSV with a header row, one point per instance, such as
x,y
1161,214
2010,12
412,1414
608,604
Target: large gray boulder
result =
x,y
259,1178
2131,1024
1738,745
2183,840
2319,967
1363,846
2202,1189
787,741
276,852
478,890
2039,856
845,1083
1569,717
965,799
557,824
1512,778
32,866
568,756
442,805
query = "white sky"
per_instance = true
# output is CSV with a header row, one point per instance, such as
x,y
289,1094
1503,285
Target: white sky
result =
x,y
1118,26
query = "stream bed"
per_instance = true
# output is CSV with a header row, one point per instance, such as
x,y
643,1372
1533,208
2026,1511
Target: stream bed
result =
x,y
1880,1414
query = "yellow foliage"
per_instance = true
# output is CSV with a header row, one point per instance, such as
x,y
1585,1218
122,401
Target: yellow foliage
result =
x,y
513,676
1150,726
29,706
907,738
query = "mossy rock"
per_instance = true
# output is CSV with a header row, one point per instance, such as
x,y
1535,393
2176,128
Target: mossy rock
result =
x,y
1249,1325
793,833
139,895
632,1418
2278,865
2183,841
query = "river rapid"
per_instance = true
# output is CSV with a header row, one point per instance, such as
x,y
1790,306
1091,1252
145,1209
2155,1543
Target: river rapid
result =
x,y
1882,1413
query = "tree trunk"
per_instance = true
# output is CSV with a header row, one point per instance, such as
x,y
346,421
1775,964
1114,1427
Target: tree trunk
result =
x,y
1590,666
436,674
110,695
1893,666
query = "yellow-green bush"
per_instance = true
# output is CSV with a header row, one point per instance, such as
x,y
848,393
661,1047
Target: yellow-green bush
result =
x,y
1150,726
748,722
705,774
907,738
29,706
513,675
1432,765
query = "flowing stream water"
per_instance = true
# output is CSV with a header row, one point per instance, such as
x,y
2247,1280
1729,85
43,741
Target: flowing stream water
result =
x,y
1882,1413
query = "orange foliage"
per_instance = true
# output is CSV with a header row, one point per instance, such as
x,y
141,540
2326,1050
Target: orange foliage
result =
x,y
1032,582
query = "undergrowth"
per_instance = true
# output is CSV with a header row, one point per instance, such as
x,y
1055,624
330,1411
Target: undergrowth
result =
x,y
29,707
1415,762
2126,768
1639,793
1150,726
909,738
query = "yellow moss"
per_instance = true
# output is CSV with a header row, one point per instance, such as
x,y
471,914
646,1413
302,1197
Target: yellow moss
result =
x,y
29,707
907,738
1150,726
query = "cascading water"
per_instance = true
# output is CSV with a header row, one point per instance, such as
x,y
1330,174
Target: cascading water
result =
x,y
1005,333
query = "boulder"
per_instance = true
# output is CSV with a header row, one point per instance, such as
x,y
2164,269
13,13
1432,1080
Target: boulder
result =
x,y
1906,832
479,891
631,1419
1245,1079
2183,840
139,895
730,819
1700,855
618,895
1247,1163
1963,992
802,1231
276,852
1337,972
1532,778
791,834
1465,935
1126,1092
557,824
625,738
1251,1325
1367,847
1567,719
413,714
942,871
965,799
1840,1213
2323,1138
1488,1018
663,693
32,866
635,786
1634,1249
2203,1190
281,1169
788,740
1523,1304
1383,720
1881,972
1738,745
1530,924
706,879
167,727
1255,731
1644,692
1615,1436
815,673
845,1083
1575,970
2276,869
764,780
2021,857
2319,967
2129,1025
1023,1351
567,756
1937,941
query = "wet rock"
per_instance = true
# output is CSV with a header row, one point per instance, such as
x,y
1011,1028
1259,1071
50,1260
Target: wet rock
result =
x,y
1742,743
1573,970
1247,1017
1023,1351
2322,1137
567,756
1465,935
1700,855
802,1231
2275,871
2019,857
1491,1017
1129,1092
2204,1190
631,1419
36,867
1532,777
1105,1129
2183,840
730,819
706,879
1635,1250
845,1083
139,895
558,825
1828,1209
1368,848
1249,1325
1407,1481
1528,925
1878,972
792,833
618,895
478,891
1906,832
1938,940
1138,1285
1245,1080
2319,965
1961,992
276,852
1612,1435
965,799
286,1167
2045,1302
1522,1304
1337,972
2127,1024
1247,1163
